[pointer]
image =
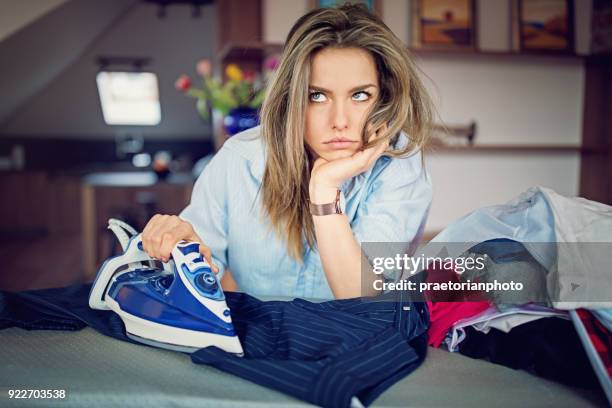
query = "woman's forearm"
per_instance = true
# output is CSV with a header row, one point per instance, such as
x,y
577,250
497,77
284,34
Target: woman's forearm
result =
x,y
340,252
228,284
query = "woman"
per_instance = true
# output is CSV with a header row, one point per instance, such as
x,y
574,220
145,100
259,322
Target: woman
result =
x,y
286,205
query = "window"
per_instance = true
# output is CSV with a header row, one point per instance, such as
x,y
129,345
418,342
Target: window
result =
x,y
129,98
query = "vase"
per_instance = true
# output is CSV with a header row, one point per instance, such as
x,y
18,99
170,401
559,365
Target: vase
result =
x,y
239,119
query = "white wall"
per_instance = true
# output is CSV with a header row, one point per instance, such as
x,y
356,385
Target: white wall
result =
x,y
513,100
466,181
34,56
396,15
493,19
69,106
15,14
279,16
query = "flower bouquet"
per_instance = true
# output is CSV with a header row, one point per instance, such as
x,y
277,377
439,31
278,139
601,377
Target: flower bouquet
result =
x,y
243,89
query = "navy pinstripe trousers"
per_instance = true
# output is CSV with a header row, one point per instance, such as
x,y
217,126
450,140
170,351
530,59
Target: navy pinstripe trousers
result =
x,y
324,353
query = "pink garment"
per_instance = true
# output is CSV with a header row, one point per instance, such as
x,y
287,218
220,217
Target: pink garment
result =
x,y
443,316
446,308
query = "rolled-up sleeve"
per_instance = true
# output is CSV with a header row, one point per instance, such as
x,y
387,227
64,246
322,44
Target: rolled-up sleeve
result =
x,y
392,216
207,210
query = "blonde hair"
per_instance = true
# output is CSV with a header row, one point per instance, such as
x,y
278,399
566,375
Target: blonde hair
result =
x,y
403,105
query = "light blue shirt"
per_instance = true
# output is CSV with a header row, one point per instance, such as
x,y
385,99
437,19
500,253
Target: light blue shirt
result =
x,y
387,203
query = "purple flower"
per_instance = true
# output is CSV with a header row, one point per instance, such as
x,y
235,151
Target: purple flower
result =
x,y
271,63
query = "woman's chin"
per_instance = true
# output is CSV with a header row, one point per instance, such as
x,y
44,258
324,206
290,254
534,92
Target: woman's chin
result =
x,y
338,154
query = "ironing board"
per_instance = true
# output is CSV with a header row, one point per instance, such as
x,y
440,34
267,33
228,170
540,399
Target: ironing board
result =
x,y
99,371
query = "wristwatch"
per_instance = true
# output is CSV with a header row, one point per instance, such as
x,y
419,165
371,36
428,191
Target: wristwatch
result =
x,y
335,207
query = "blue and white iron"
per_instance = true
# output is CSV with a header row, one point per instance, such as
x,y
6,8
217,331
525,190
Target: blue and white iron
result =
x,y
180,307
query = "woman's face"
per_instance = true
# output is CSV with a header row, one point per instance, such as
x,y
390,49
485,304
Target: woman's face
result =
x,y
343,88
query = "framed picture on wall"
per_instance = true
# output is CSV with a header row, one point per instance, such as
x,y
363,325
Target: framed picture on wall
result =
x,y
543,25
373,5
444,24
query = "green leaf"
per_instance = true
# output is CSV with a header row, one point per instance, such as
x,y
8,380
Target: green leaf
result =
x,y
225,98
243,92
212,84
202,108
223,102
258,98
195,93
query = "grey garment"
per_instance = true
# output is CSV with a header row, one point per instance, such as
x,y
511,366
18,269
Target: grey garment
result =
x,y
506,323
523,268
570,237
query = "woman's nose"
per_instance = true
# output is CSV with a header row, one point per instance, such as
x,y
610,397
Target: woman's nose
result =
x,y
340,119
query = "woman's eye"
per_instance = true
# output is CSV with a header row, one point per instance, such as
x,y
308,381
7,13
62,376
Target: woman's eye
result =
x,y
365,96
316,96
360,96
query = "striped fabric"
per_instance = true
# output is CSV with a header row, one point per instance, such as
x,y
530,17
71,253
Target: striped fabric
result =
x,y
324,353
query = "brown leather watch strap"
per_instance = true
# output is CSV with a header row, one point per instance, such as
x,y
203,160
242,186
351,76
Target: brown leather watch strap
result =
x,y
327,209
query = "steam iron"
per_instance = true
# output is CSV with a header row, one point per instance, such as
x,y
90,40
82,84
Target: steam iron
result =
x,y
180,307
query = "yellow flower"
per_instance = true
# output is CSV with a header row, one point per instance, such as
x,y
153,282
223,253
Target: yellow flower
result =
x,y
233,72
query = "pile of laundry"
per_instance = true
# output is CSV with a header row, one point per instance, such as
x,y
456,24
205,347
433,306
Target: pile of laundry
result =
x,y
559,325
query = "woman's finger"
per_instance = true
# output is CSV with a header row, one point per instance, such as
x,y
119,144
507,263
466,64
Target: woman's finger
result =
x,y
169,241
156,237
369,131
146,231
148,234
376,134
172,232
377,150
204,250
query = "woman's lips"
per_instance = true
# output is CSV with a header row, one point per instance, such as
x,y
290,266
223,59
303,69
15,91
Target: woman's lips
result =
x,y
338,144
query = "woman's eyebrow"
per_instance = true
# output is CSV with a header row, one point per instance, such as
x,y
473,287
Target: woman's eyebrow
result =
x,y
318,88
